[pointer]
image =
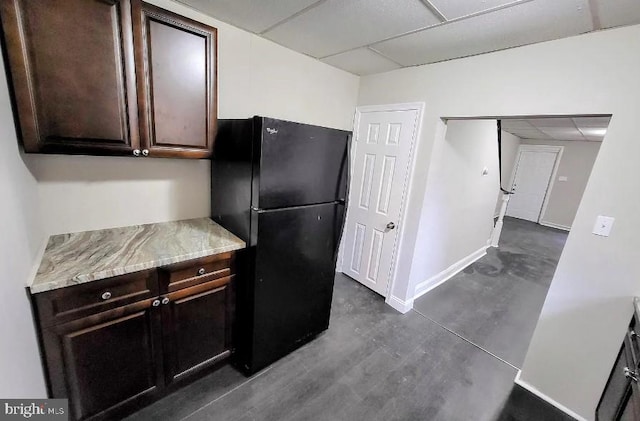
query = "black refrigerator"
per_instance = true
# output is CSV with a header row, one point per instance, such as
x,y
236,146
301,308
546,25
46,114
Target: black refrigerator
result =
x,y
281,187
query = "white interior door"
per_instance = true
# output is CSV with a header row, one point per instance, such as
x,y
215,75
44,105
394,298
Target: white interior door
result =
x,y
531,182
380,162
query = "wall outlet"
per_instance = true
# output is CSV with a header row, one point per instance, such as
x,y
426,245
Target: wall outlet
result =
x,y
603,225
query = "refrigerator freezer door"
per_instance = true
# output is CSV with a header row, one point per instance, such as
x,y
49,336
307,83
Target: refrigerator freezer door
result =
x,y
298,164
294,273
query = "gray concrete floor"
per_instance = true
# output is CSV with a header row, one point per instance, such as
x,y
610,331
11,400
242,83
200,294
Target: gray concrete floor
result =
x,y
454,358
495,302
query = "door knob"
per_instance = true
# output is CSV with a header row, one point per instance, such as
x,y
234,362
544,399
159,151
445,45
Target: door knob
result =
x,y
391,226
631,374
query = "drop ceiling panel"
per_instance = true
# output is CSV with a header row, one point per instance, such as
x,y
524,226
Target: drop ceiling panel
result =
x,y
552,122
597,122
525,134
525,23
516,124
336,26
452,9
254,16
618,12
534,135
559,133
362,61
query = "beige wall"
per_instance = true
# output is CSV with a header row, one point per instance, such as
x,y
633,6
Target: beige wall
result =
x,y
460,201
576,164
47,194
255,77
510,145
590,300
20,241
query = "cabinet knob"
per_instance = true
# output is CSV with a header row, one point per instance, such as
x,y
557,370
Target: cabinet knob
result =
x,y
136,152
165,301
631,374
106,295
145,152
201,271
155,303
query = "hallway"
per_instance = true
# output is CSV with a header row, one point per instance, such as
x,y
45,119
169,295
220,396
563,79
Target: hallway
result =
x,y
495,302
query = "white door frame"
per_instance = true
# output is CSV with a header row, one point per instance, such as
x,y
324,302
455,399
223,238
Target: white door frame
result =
x,y
406,188
558,150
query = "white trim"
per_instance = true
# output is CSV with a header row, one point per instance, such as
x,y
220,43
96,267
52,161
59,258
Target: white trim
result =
x,y
558,150
437,280
400,305
546,398
556,226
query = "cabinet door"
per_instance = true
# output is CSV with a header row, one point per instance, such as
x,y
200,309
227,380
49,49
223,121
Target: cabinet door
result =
x,y
73,75
176,58
105,362
620,399
197,327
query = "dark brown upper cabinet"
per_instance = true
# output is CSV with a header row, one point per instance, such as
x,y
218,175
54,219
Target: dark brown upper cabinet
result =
x,y
110,77
175,57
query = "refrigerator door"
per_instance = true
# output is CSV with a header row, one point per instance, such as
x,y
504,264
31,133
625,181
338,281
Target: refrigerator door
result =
x,y
297,164
294,273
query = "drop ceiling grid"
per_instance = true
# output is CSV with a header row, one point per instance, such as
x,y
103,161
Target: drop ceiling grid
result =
x,y
336,26
253,16
518,24
361,61
558,128
414,32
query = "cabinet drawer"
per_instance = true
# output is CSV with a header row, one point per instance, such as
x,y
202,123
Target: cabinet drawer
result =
x,y
194,272
70,303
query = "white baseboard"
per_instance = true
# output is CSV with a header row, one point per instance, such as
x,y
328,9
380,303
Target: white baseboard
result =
x,y
557,226
426,286
546,398
400,305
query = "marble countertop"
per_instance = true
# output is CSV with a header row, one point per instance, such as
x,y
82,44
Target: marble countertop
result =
x,y
76,258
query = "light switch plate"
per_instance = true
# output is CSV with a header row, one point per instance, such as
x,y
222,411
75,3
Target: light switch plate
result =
x,y
562,178
603,225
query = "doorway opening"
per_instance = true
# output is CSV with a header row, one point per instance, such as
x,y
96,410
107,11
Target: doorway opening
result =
x,y
494,299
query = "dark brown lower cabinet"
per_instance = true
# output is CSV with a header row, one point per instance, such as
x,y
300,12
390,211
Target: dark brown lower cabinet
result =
x,y
196,329
102,362
121,357
620,400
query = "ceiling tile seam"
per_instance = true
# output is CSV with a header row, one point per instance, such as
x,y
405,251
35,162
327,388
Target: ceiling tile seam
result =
x,y
436,25
595,15
542,132
578,129
384,56
293,16
433,9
